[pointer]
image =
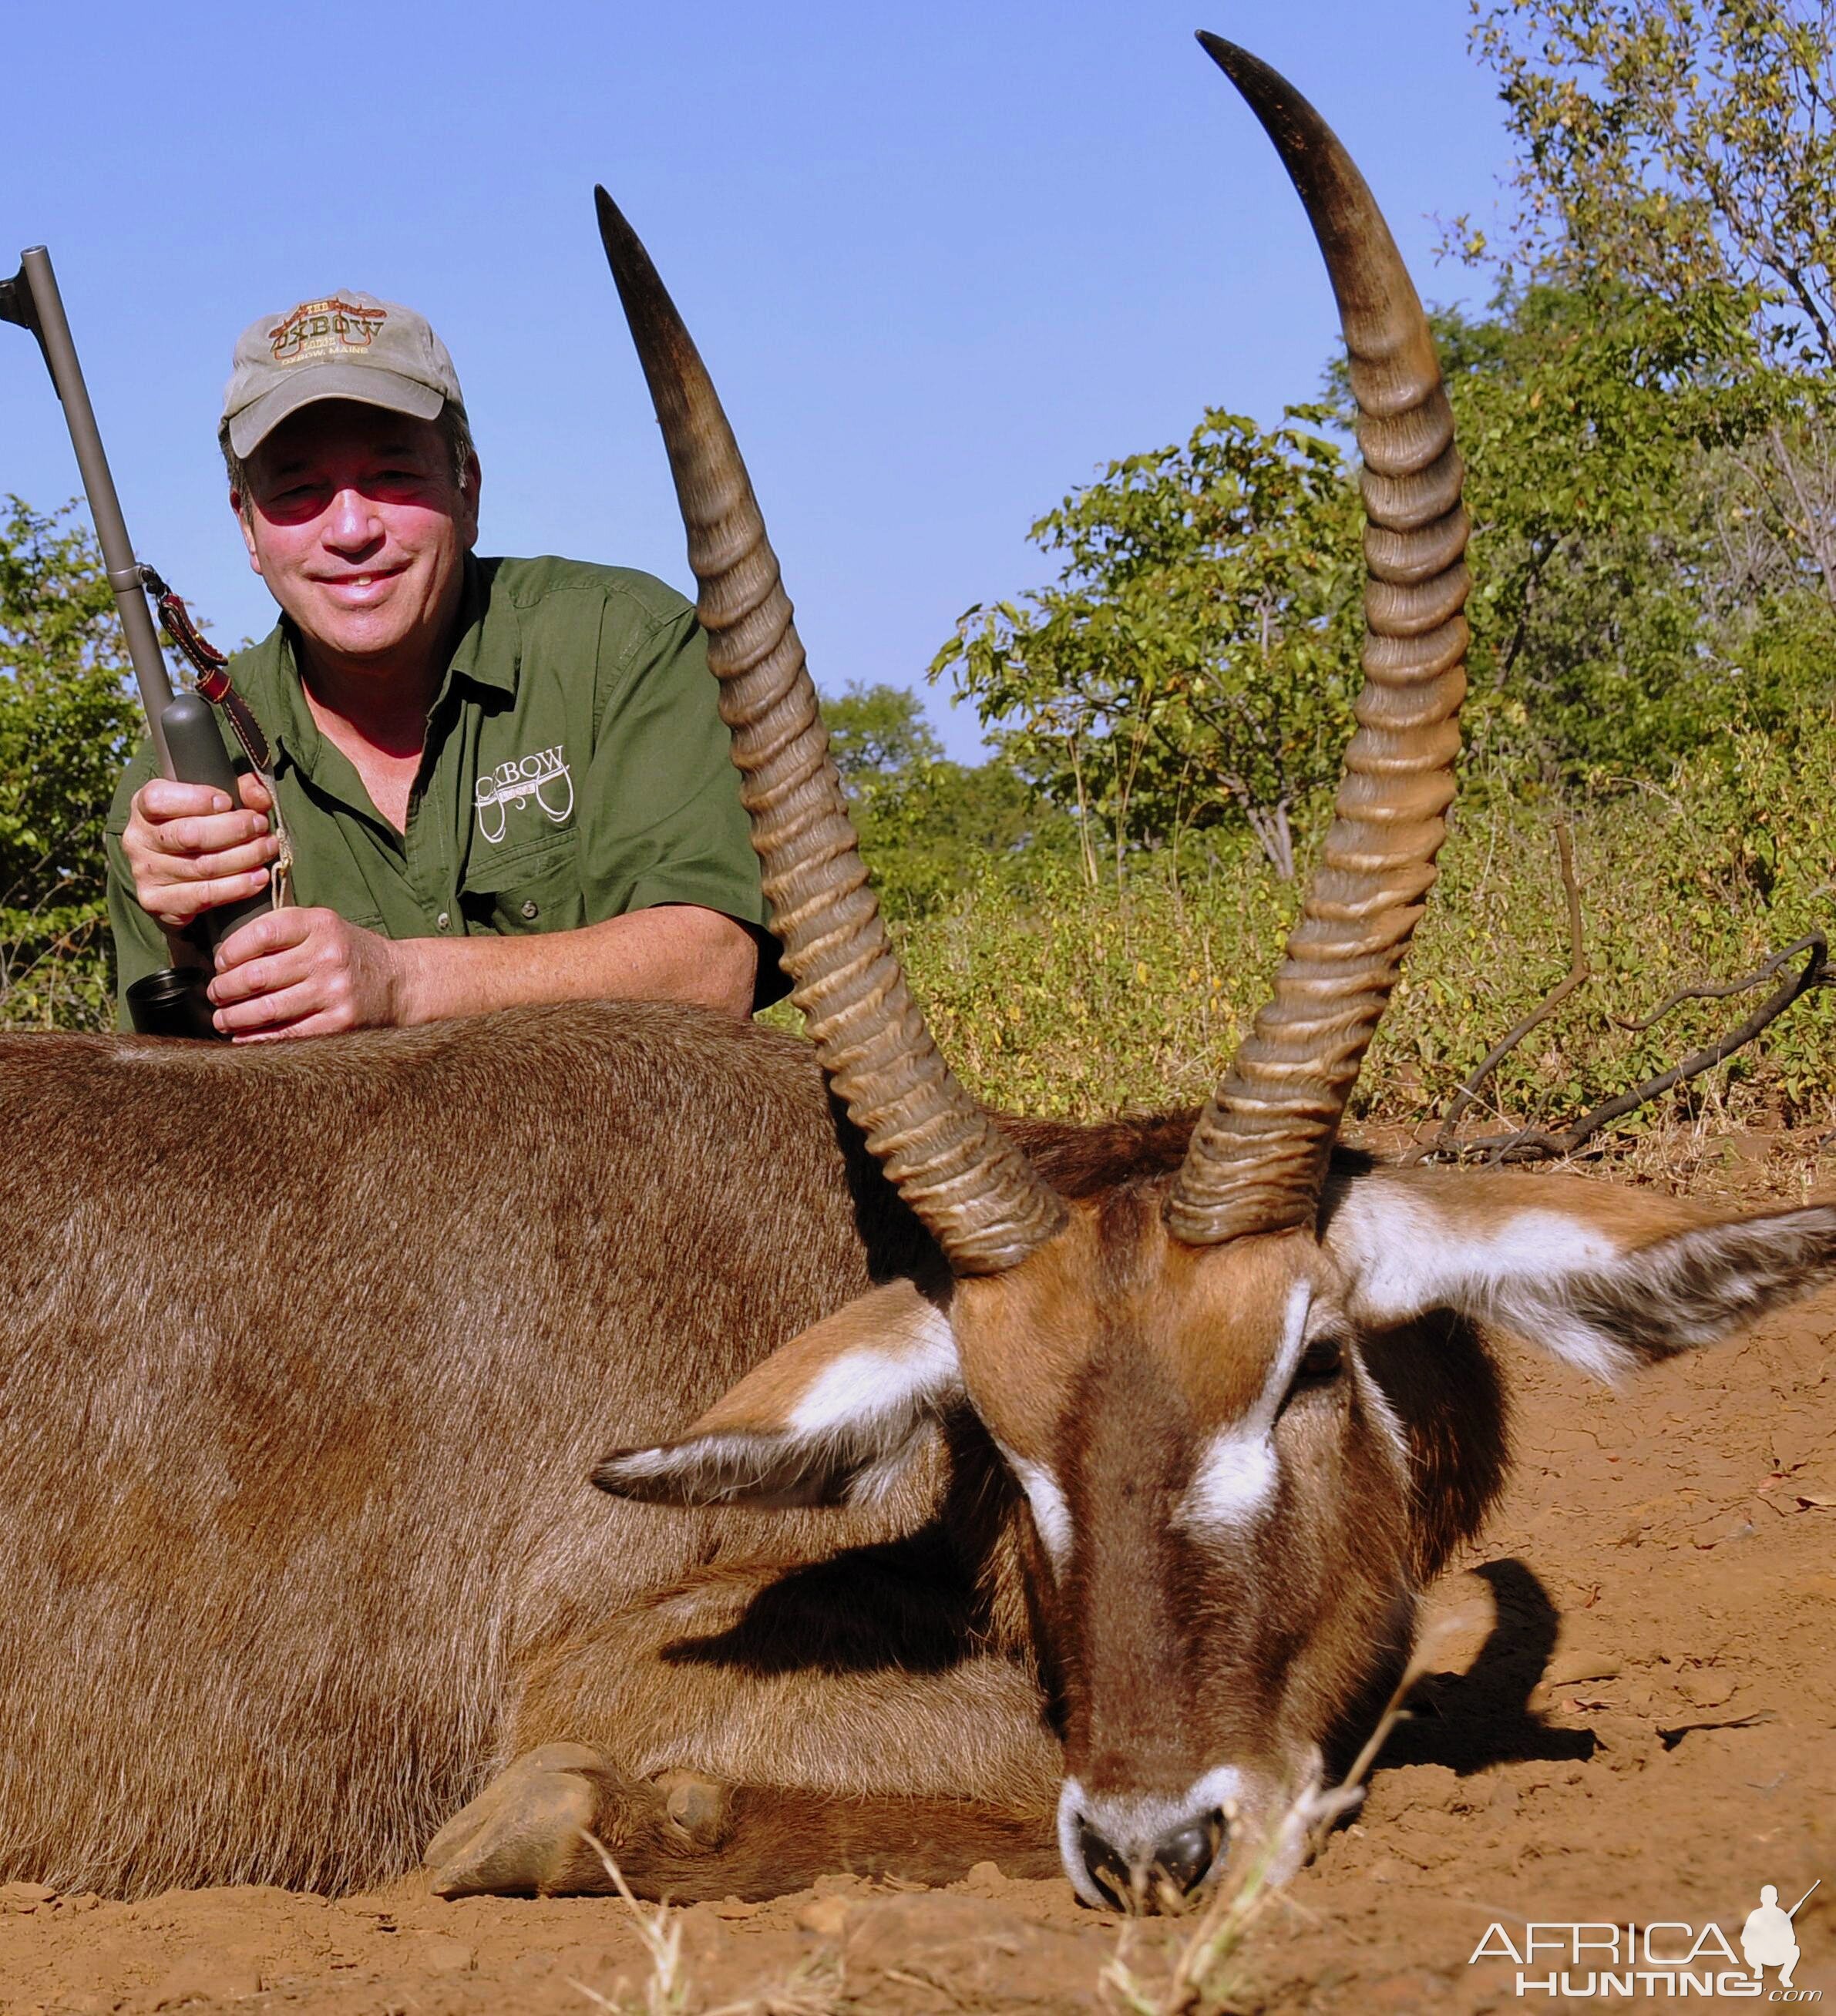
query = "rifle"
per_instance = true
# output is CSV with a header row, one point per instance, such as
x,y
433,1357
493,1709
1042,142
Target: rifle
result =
x,y
186,741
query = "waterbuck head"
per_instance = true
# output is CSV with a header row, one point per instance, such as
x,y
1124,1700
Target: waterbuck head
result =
x,y
1244,1399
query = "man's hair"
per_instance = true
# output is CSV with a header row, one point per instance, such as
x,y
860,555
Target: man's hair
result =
x,y
455,431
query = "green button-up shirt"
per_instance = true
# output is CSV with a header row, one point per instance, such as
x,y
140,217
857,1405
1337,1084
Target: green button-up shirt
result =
x,y
575,769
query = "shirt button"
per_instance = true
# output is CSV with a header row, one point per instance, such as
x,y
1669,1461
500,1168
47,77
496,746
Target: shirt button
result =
x,y
529,908
443,922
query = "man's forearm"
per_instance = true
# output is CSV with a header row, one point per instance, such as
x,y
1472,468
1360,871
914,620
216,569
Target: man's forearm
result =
x,y
677,951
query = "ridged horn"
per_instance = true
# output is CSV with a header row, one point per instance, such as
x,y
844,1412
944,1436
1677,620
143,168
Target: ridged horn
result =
x,y
1258,1154
974,1188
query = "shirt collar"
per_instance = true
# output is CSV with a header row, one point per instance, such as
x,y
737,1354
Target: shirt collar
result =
x,y
489,652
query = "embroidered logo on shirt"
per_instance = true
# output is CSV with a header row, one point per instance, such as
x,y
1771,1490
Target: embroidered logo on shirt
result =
x,y
544,777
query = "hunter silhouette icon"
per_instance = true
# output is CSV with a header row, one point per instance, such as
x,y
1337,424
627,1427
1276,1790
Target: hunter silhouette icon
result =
x,y
1768,1938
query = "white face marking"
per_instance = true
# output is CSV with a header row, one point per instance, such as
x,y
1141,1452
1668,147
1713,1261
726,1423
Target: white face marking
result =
x,y
1376,1405
1235,1480
1405,1258
1135,1825
1070,1808
1051,1512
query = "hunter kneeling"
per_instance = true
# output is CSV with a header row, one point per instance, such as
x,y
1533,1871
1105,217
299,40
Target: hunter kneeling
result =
x,y
501,781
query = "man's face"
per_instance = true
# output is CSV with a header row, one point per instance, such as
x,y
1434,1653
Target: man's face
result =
x,y
356,521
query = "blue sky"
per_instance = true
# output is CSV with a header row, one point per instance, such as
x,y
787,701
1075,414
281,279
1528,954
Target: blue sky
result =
x,y
943,261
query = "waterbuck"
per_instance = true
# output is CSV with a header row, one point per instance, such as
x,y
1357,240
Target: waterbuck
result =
x,y
1080,1518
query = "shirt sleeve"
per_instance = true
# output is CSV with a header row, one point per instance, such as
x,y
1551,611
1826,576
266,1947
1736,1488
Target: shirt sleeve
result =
x,y
660,817
140,944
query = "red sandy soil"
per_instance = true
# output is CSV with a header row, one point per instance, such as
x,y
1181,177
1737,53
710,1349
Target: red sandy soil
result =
x,y
1635,1723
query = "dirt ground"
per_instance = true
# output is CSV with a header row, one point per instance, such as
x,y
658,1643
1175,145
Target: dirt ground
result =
x,y
1635,1723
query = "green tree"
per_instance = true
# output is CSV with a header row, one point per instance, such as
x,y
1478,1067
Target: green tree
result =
x,y
1676,144
1191,665
1683,148
66,723
877,735
1651,450
929,827
1593,421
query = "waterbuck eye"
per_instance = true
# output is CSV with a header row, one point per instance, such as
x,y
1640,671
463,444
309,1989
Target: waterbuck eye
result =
x,y
1322,1359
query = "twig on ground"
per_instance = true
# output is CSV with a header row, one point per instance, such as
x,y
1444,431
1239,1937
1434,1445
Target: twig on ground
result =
x,y
1579,972
1532,1143
666,1994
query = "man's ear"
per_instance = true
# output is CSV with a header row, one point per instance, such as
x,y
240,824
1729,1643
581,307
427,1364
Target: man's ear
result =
x,y
1609,1279
237,502
471,489
831,1418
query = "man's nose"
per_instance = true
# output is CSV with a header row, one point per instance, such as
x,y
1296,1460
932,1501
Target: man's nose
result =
x,y
351,521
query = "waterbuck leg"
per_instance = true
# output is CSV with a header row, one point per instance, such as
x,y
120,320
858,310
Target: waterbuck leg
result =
x,y
684,1837
737,1737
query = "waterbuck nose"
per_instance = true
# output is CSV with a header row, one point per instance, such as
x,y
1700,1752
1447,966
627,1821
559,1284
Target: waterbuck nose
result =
x,y
1180,1860
1184,1857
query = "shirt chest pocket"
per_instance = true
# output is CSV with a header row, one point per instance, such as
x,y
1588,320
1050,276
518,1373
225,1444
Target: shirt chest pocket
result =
x,y
536,890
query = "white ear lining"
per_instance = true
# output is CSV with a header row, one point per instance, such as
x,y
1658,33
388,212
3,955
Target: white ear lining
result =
x,y
846,1440
866,1385
1404,1258
1604,1305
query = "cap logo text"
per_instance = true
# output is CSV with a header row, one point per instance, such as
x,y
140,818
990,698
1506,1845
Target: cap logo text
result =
x,y
316,330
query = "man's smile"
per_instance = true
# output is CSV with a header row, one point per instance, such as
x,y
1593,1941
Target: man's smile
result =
x,y
357,590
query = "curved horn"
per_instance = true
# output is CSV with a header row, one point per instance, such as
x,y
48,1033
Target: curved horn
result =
x,y
977,1194
1258,1154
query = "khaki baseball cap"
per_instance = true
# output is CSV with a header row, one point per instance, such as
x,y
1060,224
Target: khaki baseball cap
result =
x,y
343,346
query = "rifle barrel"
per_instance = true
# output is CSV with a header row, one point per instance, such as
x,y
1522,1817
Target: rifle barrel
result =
x,y
53,331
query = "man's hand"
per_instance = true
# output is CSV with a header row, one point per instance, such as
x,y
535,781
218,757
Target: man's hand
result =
x,y
188,849
304,972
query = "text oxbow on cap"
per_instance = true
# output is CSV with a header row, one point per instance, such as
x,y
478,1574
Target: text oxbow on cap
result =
x,y
342,346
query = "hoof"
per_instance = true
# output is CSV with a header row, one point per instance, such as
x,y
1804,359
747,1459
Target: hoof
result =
x,y
699,1809
526,1830
533,1828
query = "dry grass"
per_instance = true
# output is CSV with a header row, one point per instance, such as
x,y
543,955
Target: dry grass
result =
x,y
667,1989
1048,996
814,1988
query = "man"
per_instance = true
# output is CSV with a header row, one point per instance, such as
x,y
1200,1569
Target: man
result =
x,y
503,781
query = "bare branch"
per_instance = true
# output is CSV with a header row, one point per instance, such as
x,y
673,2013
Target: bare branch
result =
x,y
1816,530
1531,1143
1717,992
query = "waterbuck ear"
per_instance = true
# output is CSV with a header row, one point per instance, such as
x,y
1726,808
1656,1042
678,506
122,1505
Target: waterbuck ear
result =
x,y
831,1418
1609,1279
